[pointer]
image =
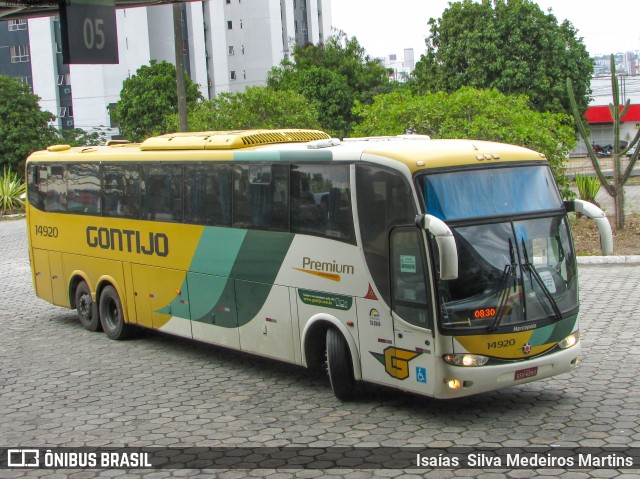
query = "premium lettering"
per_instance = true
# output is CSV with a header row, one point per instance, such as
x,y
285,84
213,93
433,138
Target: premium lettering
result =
x,y
308,263
129,241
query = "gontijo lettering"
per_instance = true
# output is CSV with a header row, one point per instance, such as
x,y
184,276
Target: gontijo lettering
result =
x,y
130,241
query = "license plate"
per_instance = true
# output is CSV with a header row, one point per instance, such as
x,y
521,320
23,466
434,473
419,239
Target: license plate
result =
x,y
526,373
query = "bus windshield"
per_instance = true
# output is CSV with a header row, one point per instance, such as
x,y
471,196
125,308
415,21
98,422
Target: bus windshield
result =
x,y
490,192
513,271
510,273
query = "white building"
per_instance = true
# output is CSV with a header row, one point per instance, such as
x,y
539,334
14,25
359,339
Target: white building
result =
x,y
400,67
229,45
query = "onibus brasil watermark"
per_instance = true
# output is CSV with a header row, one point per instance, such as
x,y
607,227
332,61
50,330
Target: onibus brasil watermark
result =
x,y
303,457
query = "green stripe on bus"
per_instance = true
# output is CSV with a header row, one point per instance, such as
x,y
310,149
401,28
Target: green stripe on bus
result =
x,y
217,251
232,267
554,332
261,256
283,156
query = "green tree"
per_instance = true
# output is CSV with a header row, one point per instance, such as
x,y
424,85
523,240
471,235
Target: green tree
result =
x,y
331,96
472,113
79,137
510,45
148,98
614,188
255,108
24,128
333,76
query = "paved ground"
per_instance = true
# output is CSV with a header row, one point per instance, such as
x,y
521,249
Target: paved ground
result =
x,y
63,386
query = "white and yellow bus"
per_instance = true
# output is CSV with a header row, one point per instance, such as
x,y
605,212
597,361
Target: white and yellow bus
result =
x,y
441,267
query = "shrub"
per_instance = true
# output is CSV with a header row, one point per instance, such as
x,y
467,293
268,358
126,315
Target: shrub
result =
x,y
588,187
12,192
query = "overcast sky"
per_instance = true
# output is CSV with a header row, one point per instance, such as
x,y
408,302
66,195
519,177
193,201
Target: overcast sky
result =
x,y
389,26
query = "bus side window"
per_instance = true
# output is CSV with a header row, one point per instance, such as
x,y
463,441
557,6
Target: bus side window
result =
x,y
408,284
384,201
84,188
241,206
260,197
321,201
121,191
37,185
162,194
56,197
208,194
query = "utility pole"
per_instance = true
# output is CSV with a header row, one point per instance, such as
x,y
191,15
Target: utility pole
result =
x,y
182,93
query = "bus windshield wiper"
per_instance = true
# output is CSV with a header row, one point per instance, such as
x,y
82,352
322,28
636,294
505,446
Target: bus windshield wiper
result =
x,y
509,273
533,273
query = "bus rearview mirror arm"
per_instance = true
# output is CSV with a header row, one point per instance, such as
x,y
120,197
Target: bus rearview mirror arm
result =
x,y
596,214
448,252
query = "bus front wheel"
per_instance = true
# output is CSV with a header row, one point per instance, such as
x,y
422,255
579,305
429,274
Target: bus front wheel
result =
x,y
339,365
112,315
89,318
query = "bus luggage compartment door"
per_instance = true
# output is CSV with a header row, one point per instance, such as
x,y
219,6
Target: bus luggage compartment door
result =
x,y
58,283
42,274
161,298
264,316
213,309
49,277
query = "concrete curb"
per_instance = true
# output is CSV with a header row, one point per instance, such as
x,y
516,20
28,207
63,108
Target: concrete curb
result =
x,y
591,260
12,217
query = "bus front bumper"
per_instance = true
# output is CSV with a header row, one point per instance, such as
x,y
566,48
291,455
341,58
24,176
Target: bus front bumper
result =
x,y
457,381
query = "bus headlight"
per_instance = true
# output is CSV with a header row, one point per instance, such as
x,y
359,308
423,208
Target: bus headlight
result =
x,y
569,341
469,360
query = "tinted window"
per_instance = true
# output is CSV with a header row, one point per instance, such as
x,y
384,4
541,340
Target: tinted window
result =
x,y
409,287
37,184
121,191
83,189
162,193
56,197
208,194
321,201
384,200
490,192
260,197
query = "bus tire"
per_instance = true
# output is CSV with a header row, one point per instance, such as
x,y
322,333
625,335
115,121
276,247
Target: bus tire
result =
x,y
112,314
87,313
339,365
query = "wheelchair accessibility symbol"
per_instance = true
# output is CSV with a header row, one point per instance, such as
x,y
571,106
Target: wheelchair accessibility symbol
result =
x,y
421,375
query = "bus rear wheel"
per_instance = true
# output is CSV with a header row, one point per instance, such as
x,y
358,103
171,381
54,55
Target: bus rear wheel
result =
x,y
339,365
112,315
89,318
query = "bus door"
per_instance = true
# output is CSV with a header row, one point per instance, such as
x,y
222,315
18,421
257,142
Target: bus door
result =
x,y
412,360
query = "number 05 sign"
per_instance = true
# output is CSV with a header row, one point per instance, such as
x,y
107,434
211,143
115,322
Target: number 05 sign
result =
x,y
89,32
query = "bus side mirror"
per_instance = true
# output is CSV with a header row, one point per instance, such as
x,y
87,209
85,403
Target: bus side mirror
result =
x,y
596,214
448,252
